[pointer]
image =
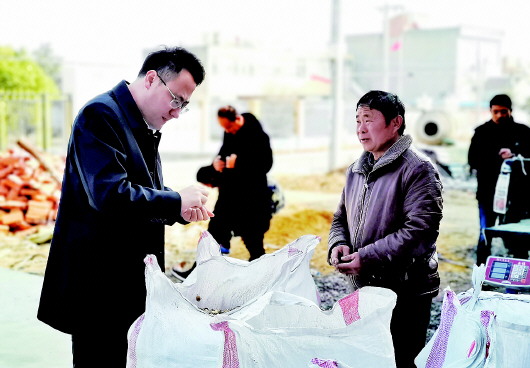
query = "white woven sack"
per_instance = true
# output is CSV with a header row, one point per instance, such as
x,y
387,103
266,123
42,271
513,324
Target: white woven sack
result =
x,y
175,329
175,332
459,340
513,344
224,283
512,320
172,332
464,338
327,363
289,331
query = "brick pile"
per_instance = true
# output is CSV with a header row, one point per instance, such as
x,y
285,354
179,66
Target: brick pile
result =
x,y
29,191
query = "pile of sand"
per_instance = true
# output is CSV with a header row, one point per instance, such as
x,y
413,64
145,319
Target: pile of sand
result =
x,y
331,182
288,225
26,254
308,210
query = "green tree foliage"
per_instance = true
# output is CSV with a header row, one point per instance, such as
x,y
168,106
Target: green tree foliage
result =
x,y
50,62
19,72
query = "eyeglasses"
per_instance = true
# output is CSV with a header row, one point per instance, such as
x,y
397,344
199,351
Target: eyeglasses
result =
x,y
176,102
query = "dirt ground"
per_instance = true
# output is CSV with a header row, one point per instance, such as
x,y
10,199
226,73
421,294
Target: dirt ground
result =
x,y
310,203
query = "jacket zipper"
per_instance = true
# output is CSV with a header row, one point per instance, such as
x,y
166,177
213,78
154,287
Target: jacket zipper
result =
x,y
360,219
361,212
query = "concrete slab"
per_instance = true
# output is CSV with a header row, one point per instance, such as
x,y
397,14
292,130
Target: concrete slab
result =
x,y
25,342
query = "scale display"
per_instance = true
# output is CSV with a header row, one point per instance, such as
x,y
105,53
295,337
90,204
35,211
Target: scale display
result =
x,y
513,272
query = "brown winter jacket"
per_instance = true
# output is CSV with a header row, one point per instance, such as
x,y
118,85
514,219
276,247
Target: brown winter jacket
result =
x,y
391,216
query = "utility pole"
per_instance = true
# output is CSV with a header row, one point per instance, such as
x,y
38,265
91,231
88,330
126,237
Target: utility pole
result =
x,y
337,67
386,47
386,43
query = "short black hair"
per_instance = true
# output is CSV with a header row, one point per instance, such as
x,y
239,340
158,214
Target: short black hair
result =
x,y
228,112
501,100
173,60
387,103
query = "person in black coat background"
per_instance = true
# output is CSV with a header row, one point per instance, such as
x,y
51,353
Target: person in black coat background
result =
x,y
239,170
114,208
494,141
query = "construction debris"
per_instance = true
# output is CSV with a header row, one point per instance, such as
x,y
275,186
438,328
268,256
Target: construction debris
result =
x,y
29,189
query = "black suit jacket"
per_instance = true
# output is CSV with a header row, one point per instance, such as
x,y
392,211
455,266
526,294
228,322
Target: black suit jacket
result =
x,y
112,213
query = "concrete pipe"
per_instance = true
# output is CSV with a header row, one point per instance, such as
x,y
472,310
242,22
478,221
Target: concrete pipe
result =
x,y
433,127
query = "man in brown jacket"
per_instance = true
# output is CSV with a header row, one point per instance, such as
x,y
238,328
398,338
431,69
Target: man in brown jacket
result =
x,y
385,228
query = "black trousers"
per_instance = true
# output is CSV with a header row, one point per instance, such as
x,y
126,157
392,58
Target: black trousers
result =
x,y
251,234
409,324
102,346
487,218
514,243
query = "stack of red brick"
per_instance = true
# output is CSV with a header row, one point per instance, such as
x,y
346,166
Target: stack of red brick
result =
x,y
29,194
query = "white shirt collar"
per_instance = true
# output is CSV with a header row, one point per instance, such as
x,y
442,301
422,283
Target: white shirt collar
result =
x,y
149,126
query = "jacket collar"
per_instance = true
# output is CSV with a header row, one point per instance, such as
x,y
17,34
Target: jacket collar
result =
x,y
123,97
395,151
504,125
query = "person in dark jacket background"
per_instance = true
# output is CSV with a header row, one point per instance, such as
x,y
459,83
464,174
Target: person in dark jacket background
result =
x,y
239,170
114,207
494,141
387,221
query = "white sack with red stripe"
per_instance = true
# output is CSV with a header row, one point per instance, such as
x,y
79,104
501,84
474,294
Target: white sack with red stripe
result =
x,y
255,318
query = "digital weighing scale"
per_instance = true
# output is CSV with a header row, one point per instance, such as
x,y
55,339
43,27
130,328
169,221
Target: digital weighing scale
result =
x,y
508,272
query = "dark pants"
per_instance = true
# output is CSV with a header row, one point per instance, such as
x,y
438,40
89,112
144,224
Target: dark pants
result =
x,y
410,320
251,234
487,218
100,347
514,243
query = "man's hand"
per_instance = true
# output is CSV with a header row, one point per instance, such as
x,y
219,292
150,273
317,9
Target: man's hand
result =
x,y
231,161
218,164
193,200
344,262
197,214
505,153
337,253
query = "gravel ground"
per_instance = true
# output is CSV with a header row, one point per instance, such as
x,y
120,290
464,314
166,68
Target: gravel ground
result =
x,y
334,286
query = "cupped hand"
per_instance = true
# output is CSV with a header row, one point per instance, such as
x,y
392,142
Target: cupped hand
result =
x,y
349,264
194,197
195,214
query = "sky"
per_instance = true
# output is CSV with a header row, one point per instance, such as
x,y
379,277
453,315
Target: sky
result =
x,y
116,32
